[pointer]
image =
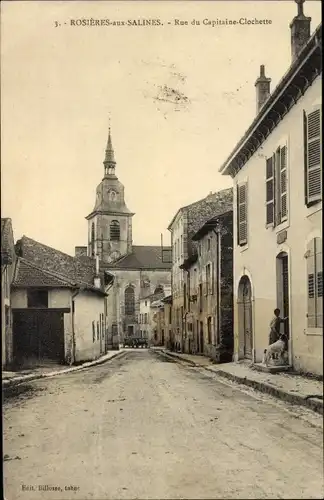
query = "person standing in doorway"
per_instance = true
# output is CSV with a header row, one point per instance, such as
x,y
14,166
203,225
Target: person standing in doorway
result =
x,y
275,326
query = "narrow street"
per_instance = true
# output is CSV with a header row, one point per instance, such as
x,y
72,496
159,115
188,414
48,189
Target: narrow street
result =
x,y
144,427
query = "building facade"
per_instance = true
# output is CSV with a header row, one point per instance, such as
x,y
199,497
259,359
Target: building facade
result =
x,y
277,172
59,307
208,306
137,270
183,226
8,263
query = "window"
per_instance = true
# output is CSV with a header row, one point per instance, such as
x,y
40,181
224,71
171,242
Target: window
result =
x,y
315,284
170,315
37,298
114,230
208,244
98,332
145,303
313,156
129,301
276,187
200,297
185,296
93,332
209,329
145,318
242,214
208,279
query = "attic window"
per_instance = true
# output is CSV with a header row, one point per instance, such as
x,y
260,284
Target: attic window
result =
x,y
37,298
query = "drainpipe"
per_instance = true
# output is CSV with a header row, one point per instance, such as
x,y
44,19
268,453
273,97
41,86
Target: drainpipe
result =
x,y
72,360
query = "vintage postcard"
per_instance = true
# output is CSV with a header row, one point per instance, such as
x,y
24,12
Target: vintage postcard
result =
x,y
161,249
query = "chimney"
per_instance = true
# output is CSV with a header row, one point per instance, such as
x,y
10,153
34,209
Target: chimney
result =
x,y
97,281
80,251
300,30
262,86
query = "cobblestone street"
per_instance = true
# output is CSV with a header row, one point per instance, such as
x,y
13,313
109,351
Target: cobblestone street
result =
x,y
144,427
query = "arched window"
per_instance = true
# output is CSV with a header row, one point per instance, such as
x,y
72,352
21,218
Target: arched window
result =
x,y
114,230
129,301
92,239
112,195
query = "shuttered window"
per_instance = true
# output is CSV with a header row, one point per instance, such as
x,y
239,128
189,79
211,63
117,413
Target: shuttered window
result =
x,y
282,181
277,187
313,155
242,214
315,284
270,190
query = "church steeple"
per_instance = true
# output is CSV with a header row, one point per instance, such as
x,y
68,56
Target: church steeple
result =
x,y
109,161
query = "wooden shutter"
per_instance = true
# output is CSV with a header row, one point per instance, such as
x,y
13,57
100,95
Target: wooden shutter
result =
x,y
313,156
311,288
283,209
319,282
270,191
242,213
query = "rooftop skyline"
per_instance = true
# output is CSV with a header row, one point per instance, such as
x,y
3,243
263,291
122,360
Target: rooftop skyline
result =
x,y
178,98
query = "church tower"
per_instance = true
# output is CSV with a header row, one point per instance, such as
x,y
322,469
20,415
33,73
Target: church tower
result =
x,y
110,222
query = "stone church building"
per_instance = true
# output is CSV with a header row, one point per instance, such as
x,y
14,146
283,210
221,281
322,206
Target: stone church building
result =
x,y
138,270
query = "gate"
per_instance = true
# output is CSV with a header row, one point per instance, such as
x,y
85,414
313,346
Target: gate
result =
x,y
39,335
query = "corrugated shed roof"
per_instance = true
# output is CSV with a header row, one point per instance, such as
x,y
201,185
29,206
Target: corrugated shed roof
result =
x,y
143,257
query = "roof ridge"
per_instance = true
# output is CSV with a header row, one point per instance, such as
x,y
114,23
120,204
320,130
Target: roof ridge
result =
x,y
47,246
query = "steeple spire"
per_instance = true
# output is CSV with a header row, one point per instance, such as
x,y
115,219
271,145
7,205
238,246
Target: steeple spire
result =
x,y
109,161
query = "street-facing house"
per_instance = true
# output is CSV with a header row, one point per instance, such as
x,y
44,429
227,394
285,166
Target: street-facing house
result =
x,y
208,301
277,173
186,222
59,306
8,262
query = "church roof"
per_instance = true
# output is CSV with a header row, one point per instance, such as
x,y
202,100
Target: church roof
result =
x,y
144,257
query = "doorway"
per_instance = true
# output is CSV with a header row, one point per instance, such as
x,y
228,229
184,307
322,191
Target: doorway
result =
x,y
283,289
201,336
245,316
130,330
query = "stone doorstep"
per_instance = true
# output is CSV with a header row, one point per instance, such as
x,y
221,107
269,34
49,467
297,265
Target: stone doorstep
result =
x,y
12,380
314,404
259,367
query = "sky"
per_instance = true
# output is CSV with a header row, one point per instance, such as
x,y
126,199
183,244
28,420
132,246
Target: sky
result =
x,y
61,84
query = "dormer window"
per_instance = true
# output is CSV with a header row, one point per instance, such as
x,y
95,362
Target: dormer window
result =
x,y
114,230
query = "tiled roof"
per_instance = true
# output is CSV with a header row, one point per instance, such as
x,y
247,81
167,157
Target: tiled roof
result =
x,y
77,270
212,206
143,257
210,224
28,275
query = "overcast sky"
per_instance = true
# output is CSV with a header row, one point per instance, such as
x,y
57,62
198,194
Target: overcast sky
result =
x,y
59,85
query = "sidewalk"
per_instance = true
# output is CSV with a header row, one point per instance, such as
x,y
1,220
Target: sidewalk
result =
x,y
290,387
13,378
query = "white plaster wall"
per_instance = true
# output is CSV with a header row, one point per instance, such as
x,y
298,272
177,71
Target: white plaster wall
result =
x,y
145,309
88,307
258,258
18,298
